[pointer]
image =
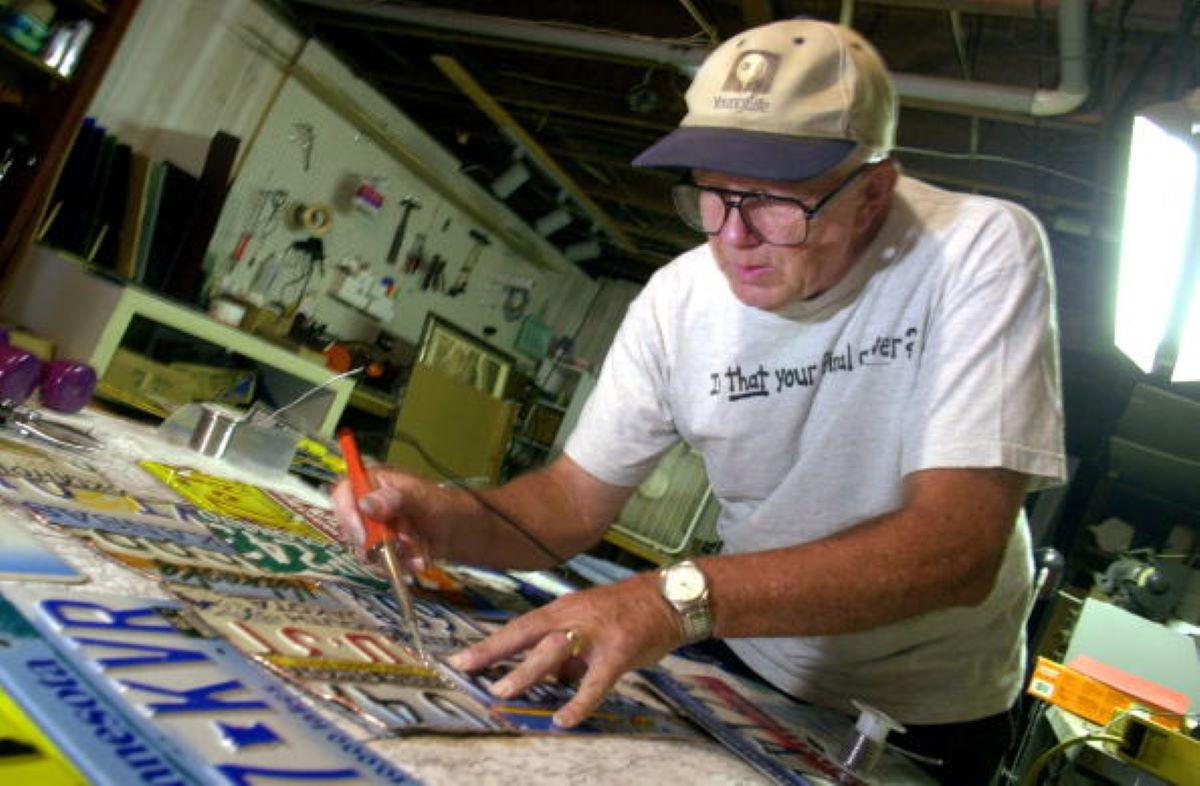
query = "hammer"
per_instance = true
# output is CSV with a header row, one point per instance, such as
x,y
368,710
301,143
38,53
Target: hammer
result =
x,y
407,206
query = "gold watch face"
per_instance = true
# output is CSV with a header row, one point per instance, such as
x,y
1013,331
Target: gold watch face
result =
x,y
684,584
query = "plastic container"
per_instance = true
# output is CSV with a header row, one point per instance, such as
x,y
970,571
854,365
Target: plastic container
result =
x,y
20,372
67,385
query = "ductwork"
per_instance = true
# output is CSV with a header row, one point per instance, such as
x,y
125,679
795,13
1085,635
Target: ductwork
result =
x,y
948,94
1070,94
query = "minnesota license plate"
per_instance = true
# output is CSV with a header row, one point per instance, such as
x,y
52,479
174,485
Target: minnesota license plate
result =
x,y
232,498
84,723
221,717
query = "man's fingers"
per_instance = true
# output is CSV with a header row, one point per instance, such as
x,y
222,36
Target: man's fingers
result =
x,y
539,662
382,503
349,522
596,684
516,636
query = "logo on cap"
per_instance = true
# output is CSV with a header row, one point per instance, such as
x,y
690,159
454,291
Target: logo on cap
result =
x,y
752,72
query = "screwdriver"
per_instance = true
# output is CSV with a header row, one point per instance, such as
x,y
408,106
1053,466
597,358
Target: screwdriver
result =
x,y
381,541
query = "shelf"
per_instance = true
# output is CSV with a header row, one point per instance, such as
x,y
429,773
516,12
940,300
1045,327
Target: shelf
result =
x,y
28,61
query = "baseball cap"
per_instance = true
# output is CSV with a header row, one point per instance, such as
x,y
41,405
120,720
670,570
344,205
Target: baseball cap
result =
x,y
785,101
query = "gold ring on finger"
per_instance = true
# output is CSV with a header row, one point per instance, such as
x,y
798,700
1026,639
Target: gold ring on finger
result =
x,y
575,640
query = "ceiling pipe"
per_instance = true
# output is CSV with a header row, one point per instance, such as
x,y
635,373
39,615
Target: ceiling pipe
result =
x,y
1069,95
559,37
944,93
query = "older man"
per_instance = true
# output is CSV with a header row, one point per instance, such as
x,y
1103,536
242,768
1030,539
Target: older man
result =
x,y
868,365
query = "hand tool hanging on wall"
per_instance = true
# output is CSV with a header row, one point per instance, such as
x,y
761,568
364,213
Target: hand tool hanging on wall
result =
x,y
407,206
416,255
433,276
464,275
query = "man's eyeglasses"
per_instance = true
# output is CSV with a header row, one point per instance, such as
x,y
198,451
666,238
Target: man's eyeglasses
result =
x,y
775,220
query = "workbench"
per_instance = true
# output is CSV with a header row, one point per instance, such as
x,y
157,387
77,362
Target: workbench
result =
x,y
88,316
434,760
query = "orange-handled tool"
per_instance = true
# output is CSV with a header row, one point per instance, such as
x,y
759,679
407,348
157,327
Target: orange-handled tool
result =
x,y
380,539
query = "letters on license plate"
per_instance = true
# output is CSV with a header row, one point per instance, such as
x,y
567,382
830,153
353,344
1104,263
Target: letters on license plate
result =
x,y
223,718
84,722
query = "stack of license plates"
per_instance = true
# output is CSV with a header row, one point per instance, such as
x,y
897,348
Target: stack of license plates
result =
x,y
269,655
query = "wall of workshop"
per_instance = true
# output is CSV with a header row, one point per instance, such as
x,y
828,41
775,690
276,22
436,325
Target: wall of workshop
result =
x,y
189,68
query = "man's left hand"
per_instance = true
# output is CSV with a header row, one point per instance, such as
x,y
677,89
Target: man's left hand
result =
x,y
595,635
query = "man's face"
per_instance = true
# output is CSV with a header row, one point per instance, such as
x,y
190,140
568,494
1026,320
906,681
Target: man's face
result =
x,y
770,277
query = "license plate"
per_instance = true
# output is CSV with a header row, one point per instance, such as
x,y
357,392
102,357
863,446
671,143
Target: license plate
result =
x,y
320,517
389,706
225,719
23,556
289,633
243,586
534,709
85,723
159,511
151,528
441,629
334,657
68,472
281,553
143,553
232,498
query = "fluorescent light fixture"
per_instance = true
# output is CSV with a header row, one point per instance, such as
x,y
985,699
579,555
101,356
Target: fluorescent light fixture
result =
x,y
1157,324
583,250
511,179
553,221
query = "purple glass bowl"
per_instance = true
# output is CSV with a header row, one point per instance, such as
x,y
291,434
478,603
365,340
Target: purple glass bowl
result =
x,y
67,385
19,373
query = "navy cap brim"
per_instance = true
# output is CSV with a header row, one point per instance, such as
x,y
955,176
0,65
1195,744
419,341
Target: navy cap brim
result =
x,y
747,153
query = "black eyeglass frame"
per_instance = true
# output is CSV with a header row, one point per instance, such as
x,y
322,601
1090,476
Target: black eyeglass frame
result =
x,y
731,199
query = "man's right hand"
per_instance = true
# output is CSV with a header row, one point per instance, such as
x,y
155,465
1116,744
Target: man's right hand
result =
x,y
405,504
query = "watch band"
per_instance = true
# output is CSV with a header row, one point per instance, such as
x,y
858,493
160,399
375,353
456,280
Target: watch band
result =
x,y
697,623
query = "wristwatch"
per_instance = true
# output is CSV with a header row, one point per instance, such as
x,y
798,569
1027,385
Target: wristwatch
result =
x,y
683,586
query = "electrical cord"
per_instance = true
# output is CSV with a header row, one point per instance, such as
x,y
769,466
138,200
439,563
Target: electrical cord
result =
x,y
1040,763
1104,735
459,482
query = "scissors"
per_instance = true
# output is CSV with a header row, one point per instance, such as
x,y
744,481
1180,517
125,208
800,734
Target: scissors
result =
x,y
31,423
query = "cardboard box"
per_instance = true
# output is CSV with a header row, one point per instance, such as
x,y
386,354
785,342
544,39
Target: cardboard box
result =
x,y
1089,692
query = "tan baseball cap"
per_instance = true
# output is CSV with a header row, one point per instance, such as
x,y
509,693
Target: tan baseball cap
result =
x,y
784,101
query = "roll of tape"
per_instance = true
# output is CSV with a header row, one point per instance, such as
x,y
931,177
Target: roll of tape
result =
x,y
316,219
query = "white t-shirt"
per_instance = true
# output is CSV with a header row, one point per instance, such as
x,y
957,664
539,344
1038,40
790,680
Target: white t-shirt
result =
x,y
938,349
